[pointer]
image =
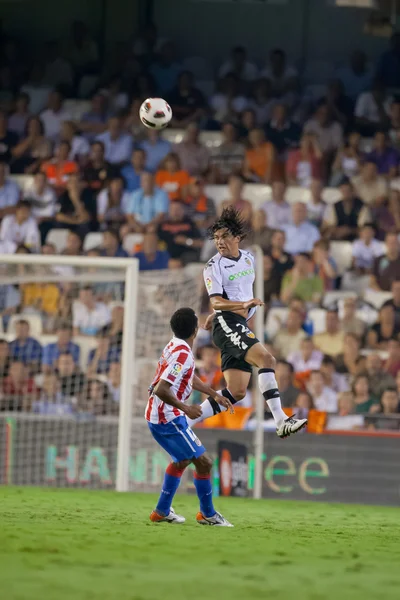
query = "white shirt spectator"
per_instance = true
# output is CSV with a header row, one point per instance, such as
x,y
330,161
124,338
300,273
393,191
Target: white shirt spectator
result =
x,y
249,71
300,238
7,247
9,194
329,138
79,148
300,365
102,202
90,322
43,205
38,93
119,150
25,233
52,122
367,108
365,255
278,215
327,401
219,105
115,391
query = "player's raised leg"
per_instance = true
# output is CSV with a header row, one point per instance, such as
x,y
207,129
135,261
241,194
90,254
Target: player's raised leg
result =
x,y
202,482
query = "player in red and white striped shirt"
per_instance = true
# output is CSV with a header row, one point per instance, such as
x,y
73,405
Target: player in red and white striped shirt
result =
x,y
166,413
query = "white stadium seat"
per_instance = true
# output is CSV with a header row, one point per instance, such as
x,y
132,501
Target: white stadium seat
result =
x,y
23,181
211,139
318,318
174,136
132,240
77,108
331,298
297,194
92,240
58,237
376,298
331,195
35,322
341,252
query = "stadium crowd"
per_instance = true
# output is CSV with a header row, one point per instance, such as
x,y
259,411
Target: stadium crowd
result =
x,y
141,195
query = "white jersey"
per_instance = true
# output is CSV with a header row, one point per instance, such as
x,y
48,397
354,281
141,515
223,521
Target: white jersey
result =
x,y
231,278
176,366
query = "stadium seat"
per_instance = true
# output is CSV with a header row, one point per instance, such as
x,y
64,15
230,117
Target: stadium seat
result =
x,y
132,240
318,318
211,139
275,319
341,252
77,108
58,237
92,240
331,298
376,298
331,195
86,344
23,181
257,193
218,193
174,136
297,194
35,322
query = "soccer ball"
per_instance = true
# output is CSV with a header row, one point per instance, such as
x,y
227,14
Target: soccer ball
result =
x,y
155,113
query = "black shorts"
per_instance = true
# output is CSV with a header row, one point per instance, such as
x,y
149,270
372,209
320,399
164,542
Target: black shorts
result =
x,y
232,336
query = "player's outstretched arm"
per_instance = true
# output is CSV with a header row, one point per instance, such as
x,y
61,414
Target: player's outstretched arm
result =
x,y
163,391
220,303
200,386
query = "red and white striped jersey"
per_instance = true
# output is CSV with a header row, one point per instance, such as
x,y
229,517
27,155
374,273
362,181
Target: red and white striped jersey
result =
x,y
176,365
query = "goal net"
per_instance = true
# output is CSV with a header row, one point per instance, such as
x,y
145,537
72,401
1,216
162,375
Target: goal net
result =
x,y
80,338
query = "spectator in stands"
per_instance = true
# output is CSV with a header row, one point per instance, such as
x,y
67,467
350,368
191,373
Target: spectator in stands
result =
x,y
132,173
262,102
18,120
372,109
172,178
389,405
58,70
200,208
94,121
386,215
227,103
342,219
236,200
117,144
300,234
77,207
111,245
394,127
80,148
284,373
316,207
334,380
340,105
327,131
301,282
378,379
8,139
60,168
21,228
50,399
88,315
156,150
41,299
272,284
283,133
365,249
385,157
10,297
370,187
71,380
307,358
166,70
356,76
54,116
386,268
18,389
324,265
395,300
132,122
151,258
97,399
347,363
42,198
36,88
101,357
180,235
278,211
239,64
187,102
63,345
32,150
74,245
363,399
117,99
259,158
384,330
193,156
392,364
260,234
9,192
147,208
115,329
282,260
283,78
389,64
289,338
304,403
25,348
304,164
208,367
350,323
331,342
81,50
325,398
114,381
113,204
228,158
4,359
348,159
97,172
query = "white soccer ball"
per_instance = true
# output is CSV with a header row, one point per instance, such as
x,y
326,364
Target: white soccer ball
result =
x,y
155,113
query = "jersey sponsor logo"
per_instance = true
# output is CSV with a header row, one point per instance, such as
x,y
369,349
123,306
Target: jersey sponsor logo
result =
x,y
176,369
228,266
241,274
208,283
250,334
247,261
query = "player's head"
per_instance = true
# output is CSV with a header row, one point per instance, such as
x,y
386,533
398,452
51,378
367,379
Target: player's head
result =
x,y
228,231
184,323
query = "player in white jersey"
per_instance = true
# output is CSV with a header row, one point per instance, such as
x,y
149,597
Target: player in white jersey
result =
x,y
166,414
229,278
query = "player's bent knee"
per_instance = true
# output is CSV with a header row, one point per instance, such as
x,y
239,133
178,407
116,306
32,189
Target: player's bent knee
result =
x,y
181,466
267,361
239,393
203,465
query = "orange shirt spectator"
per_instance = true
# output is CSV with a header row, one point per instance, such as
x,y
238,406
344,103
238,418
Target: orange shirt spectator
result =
x,y
260,158
60,168
172,179
304,164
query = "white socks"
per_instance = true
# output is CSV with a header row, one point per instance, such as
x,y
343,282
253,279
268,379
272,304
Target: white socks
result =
x,y
269,389
210,408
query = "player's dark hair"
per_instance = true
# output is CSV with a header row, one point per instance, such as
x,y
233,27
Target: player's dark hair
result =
x,y
184,323
231,220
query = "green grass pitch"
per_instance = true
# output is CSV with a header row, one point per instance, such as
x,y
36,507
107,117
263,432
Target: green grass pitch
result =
x,y
84,545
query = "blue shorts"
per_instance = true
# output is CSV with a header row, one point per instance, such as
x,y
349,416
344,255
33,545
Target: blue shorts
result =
x,y
177,438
